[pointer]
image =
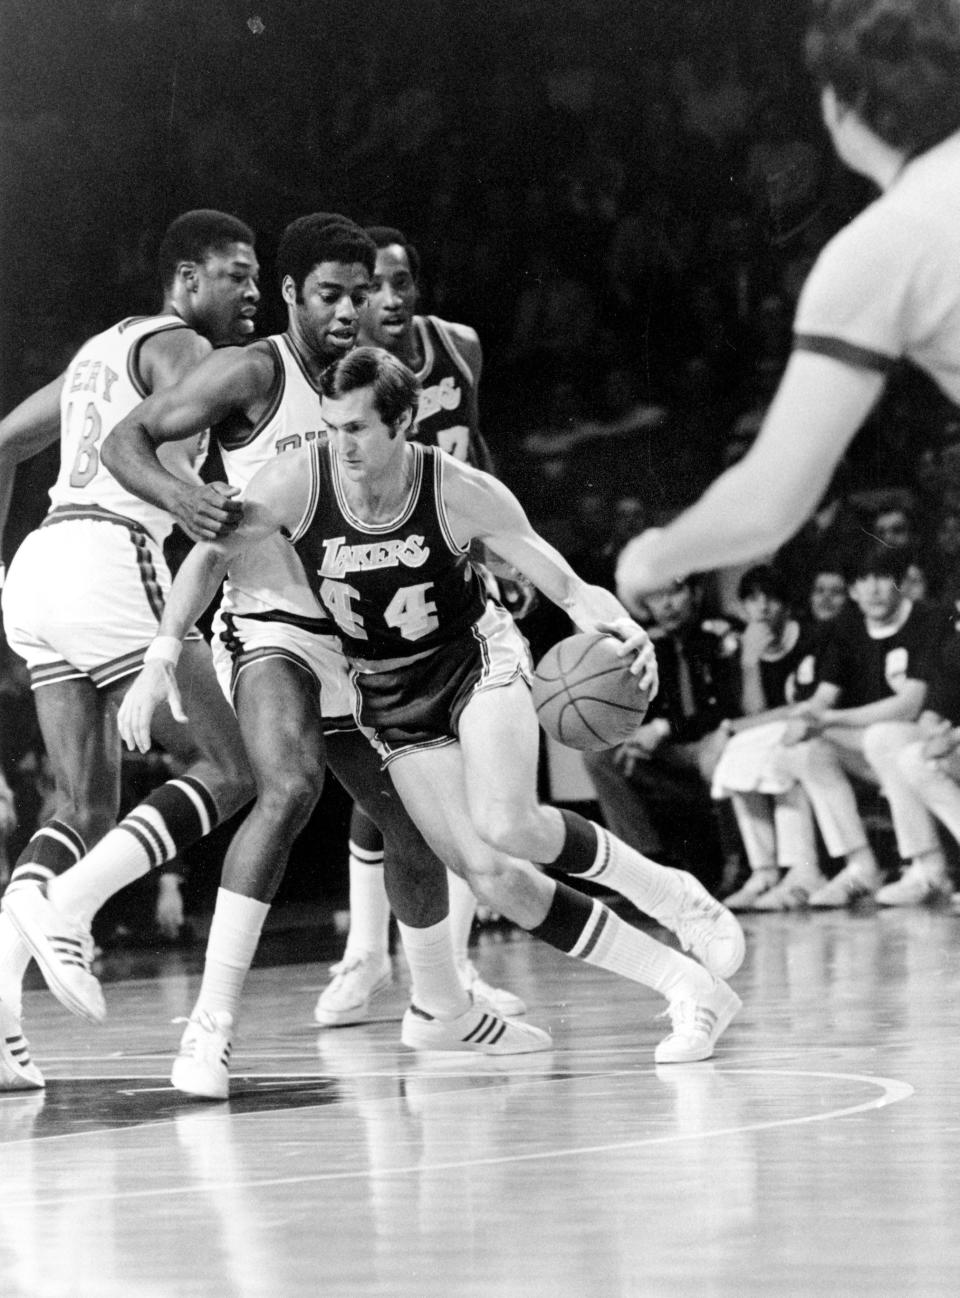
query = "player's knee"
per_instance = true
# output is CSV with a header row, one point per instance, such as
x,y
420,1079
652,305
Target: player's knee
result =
x,y
502,826
290,794
488,878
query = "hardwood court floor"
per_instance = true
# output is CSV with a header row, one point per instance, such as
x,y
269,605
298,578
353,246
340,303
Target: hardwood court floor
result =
x,y
819,1153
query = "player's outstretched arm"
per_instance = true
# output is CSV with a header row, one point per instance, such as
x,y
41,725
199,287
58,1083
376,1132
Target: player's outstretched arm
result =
x,y
276,499
759,503
29,428
228,381
481,508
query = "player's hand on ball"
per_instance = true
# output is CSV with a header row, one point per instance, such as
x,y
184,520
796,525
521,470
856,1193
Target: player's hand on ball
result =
x,y
210,511
636,642
156,684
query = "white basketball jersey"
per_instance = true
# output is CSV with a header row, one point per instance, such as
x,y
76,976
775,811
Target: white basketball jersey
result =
x,y
102,384
269,576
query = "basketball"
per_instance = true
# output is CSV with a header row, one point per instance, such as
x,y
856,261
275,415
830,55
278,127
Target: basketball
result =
x,y
584,694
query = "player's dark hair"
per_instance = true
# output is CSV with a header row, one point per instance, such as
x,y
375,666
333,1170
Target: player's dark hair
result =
x,y
385,235
873,559
194,235
764,580
396,390
896,63
321,236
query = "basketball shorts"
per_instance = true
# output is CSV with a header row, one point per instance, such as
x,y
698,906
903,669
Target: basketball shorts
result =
x,y
239,640
419,705
83,598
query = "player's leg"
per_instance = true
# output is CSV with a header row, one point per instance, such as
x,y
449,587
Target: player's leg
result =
x,y
176,814
364,971
279,713
499,737
416,882
700,1004
78,724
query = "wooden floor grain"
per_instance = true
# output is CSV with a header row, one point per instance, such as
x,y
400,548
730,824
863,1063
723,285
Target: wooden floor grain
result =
x,y
818,1153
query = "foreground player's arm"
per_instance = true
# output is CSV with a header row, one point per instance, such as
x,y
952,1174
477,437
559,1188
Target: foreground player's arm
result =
x,y
227,381
29,428
759,503
481,508
275,500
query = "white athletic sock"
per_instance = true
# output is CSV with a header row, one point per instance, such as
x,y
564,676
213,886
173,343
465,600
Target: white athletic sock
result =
x,y
14,958
369,905
231,946
653,888
613,944
118,859
463,907
434,985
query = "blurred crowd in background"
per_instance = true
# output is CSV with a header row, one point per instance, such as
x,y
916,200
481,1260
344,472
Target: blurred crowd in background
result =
x,y
622,198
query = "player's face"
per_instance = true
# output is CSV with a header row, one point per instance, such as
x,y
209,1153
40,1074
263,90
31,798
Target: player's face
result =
x,y
827,596
226,296
361,441
877,596
388,314
326,317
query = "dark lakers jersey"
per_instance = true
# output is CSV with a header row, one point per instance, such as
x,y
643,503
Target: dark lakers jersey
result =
x,y
394,589
445,416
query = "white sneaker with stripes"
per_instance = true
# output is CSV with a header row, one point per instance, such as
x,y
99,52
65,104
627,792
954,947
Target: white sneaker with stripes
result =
x,y
478,1029
697,1023
202,1066
17,1071
357,981
710,932
498,999
61,946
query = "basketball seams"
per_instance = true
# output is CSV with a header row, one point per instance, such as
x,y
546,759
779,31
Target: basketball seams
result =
x,y
599,708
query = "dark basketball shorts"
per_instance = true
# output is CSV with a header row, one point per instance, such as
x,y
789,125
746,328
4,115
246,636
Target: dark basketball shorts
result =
x,y
418,706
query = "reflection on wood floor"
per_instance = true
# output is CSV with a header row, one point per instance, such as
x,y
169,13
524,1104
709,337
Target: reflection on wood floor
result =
x,y
818,1153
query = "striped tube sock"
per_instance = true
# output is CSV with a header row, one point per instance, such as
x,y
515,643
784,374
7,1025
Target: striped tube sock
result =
x,y
232,944
157,829
593,853
369,907
434,985
588,930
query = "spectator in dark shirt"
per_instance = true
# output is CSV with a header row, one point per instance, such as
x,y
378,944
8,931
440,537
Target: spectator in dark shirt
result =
x,y
654,790
874,668
918,764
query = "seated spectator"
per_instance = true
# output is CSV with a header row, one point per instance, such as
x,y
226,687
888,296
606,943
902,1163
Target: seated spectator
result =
x,y
654,790
772,811
918,765
874,668
828,592
892,524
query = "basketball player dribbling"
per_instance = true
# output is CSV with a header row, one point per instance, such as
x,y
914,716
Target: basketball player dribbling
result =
x,y
886,287
447,359
440,673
